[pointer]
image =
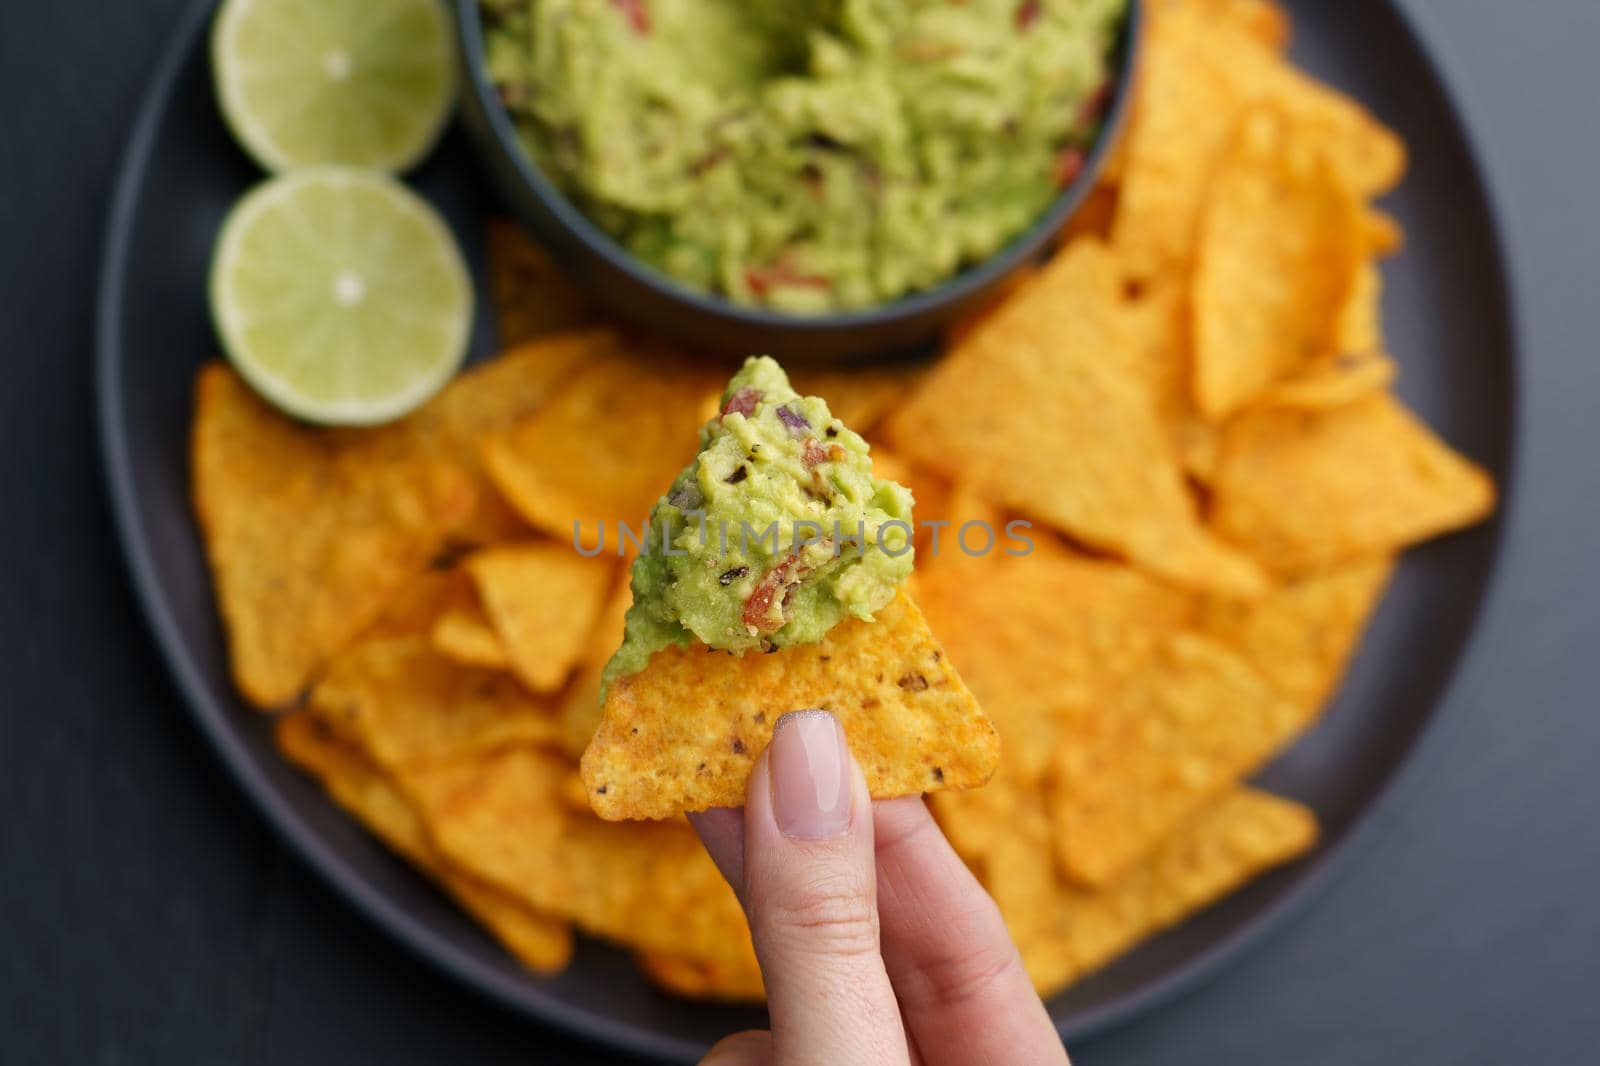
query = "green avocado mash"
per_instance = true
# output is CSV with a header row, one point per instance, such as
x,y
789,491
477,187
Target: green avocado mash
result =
x,y
807,155
775,533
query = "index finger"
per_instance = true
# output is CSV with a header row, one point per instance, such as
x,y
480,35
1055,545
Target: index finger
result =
x,y
963,992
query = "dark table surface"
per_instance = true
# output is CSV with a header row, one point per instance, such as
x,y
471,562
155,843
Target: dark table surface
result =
x,y
147,915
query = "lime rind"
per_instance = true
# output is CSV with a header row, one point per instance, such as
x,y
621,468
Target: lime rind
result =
x,y
334,82
340,295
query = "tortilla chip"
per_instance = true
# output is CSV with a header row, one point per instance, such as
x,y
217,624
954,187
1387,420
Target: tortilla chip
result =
x,y
403,703
580,705
1333,380
465,635
1198,76
1279,246
1158,315
649,885
1301,635
1382,232
1359,327
683,734
541,942
1065,932
1045,635
1093,217
531,296
859,397
1306,489
605,444
489,397
698,979
1181,732
542,599
1037,410
308,531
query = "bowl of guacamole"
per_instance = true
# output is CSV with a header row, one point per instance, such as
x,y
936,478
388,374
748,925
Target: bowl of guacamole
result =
x,y
814,177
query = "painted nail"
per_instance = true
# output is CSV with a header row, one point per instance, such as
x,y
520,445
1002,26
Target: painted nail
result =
x,y
810,774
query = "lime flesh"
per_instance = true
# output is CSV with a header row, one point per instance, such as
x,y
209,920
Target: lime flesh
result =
x,y
340,295
352,82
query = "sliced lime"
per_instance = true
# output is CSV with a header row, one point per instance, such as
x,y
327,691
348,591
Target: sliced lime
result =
x,y
340,295
354,82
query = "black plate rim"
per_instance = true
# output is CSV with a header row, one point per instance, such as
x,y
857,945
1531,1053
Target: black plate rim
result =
x,y
1324,864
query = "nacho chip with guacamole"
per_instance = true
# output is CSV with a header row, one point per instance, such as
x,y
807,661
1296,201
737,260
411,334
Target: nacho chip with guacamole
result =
x,y
778,547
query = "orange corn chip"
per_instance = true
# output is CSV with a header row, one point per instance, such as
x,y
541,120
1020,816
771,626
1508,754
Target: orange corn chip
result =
x,y
698,979
1333,380
1198,76
649,885
402,702
605,444
1037,410
580,705
1182,732
541,942
1041,636
542,598
465,635
683,734
1065,931
488,398
1305,489
1279,246
531,296
1300,636
309,532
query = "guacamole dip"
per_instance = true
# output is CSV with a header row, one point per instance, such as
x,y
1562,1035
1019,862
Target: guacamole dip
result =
x,y
775,533
808,155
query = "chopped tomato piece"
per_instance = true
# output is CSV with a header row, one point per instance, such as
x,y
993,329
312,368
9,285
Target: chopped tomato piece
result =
x,y
637,14
743,401
1069,164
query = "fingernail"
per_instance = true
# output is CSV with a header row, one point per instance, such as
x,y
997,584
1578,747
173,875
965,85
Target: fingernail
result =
x,y
810,773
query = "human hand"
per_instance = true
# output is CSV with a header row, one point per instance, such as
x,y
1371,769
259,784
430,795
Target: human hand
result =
x,y
877,945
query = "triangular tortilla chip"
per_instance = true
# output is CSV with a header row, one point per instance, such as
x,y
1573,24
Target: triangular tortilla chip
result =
x,y
1065,931
1306,489
1279,247
720,982
309,531
402,702
1300,635
1197,76
649,885
1041,636
542,598
1180,733
531,296
580,704
606,444
1039,409
683,734
540,941
466,635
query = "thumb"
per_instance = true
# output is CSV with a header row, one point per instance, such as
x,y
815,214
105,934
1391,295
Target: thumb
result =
x,y
810,890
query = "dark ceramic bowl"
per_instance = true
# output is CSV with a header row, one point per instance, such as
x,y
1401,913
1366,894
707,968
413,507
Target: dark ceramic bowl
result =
x,y
636,292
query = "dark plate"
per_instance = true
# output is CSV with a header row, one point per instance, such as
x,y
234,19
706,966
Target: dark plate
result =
x,y
1448,321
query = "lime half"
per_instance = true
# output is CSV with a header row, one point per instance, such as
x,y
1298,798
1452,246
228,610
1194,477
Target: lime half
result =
x,y
354,82
340,295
